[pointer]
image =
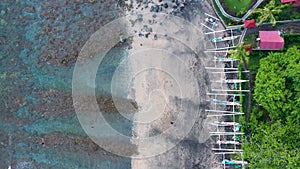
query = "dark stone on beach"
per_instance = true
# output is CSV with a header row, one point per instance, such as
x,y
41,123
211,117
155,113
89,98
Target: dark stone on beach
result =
x,y
181,7
154,15
146,29
160,8
154,8
157,9
147,35
140,18
155,37
159,0
165,5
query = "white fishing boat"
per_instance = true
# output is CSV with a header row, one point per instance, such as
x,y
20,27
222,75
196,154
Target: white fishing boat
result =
x,y
221,39
228,142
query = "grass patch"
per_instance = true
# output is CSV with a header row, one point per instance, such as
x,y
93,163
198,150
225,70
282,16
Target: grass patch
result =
x,y
238,5
227,21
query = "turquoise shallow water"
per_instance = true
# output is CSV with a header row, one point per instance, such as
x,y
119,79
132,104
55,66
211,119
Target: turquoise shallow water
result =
x,y
39,43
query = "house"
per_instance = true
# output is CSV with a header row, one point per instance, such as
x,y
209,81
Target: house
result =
x,y
250,23
293,2
270,40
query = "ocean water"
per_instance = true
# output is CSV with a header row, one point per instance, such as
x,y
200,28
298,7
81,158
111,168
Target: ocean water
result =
x,y
39,44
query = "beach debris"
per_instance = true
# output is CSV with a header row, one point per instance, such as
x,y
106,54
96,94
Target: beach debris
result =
x,y
155,37
122,39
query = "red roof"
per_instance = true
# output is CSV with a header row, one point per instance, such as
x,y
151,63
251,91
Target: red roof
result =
x,y
270,40
293,2
249,49
250,23
286,1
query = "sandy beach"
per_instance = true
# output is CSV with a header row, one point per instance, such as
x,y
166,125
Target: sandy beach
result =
x,y
169,84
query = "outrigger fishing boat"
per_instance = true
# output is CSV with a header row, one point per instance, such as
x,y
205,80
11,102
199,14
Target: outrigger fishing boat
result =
x,y
226,103
220,39
225,59
231,81
223,123
228,142
234,162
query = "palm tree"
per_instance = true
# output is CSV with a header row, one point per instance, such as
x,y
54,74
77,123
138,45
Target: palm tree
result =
x,y
241,54
268,12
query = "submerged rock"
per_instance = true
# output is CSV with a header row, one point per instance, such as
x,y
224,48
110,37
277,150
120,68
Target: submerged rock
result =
x,y
30,9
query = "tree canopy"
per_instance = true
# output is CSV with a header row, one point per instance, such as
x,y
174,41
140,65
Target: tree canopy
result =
x,y
278,85
268,12
241,54
274,146
274,140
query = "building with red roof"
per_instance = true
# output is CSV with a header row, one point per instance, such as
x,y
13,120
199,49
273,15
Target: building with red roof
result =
x,y
250,23
270,40
293,2
287,1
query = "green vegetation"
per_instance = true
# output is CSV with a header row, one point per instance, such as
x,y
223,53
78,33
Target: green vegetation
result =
x,y
294,15
273,146
273,130
241,54
291,40
288,13
254,59
238,5
278,90
251,39
227,21
269,11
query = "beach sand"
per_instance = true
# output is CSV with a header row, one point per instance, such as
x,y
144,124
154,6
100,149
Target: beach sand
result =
x,y
169,84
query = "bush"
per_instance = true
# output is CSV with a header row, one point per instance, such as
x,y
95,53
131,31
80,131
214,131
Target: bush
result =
x,y
291,40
